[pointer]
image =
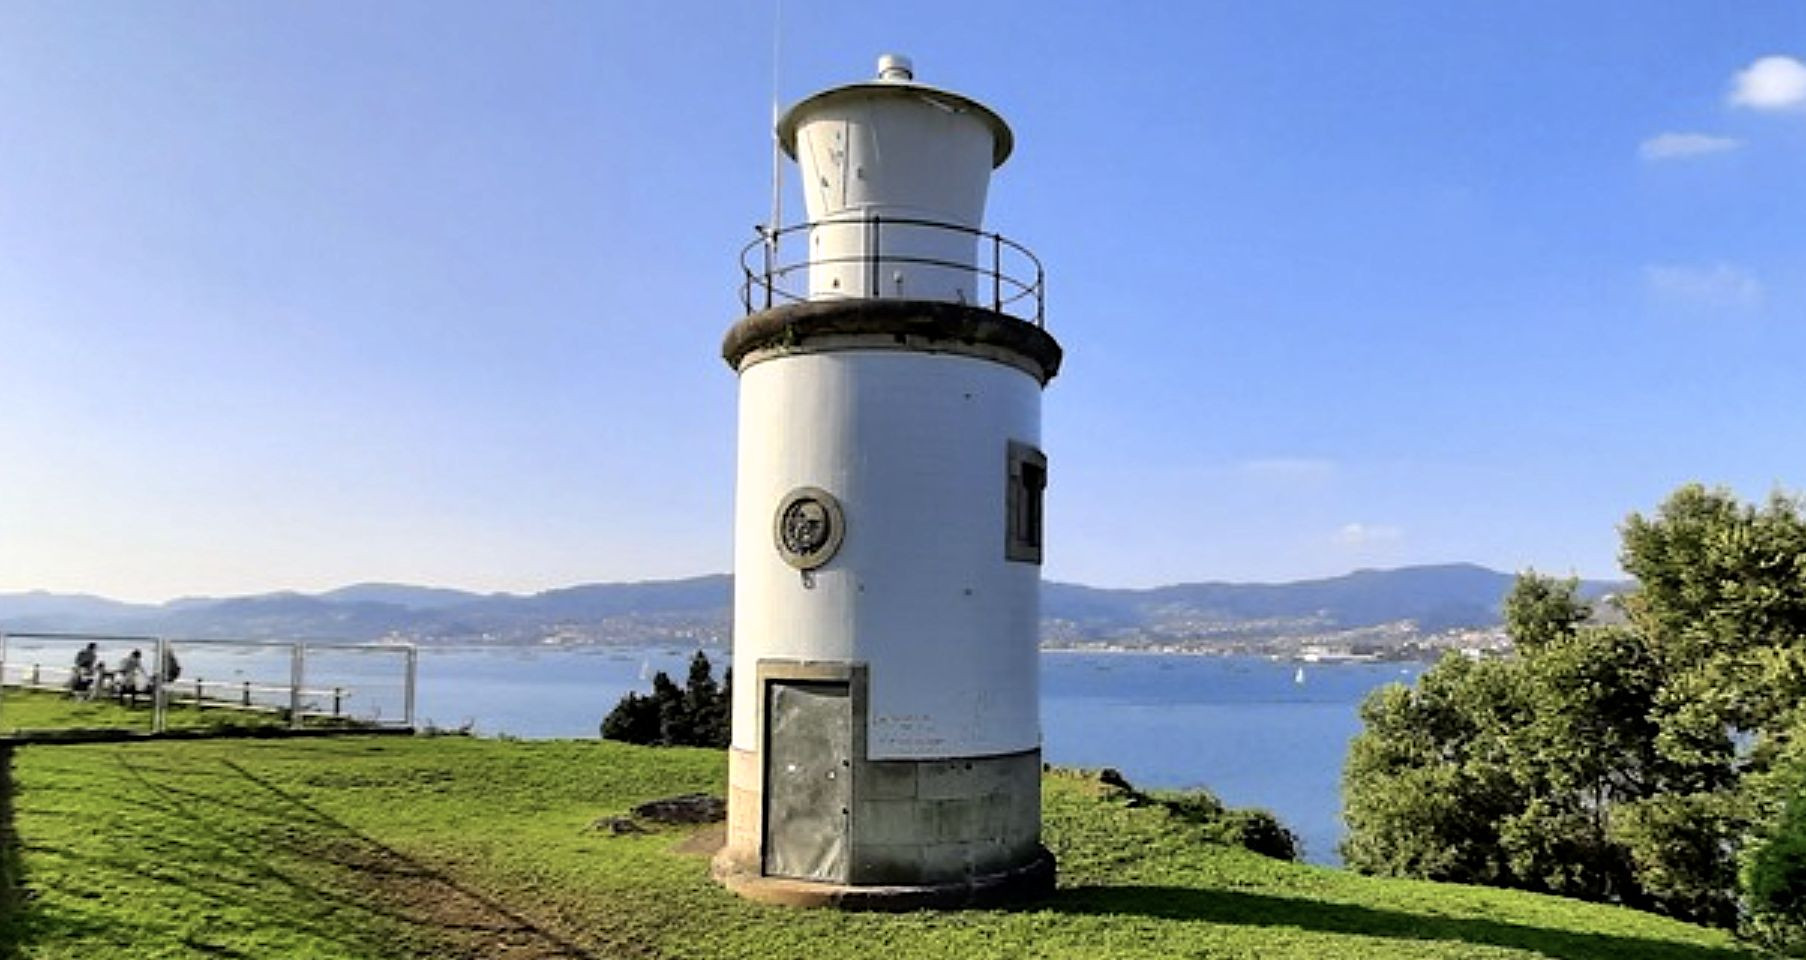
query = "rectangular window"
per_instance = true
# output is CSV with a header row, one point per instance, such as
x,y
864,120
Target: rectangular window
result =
x,y
1024,485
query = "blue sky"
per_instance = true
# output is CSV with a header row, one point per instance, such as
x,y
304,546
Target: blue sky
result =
x,y
294,295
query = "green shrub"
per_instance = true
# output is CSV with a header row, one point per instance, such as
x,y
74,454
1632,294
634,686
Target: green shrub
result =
x,y
1774,883
1260,831
698,714
1250,828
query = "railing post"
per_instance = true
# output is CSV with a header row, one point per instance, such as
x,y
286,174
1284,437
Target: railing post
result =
x,y
408,694
771,252
160,689
296,673
1040,295
997,272
874,287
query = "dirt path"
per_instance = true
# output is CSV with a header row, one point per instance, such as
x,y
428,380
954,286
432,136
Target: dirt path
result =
x,y
455,921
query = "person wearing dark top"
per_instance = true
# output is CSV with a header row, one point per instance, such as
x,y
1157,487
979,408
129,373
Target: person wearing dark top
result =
x,y
131,676
87,661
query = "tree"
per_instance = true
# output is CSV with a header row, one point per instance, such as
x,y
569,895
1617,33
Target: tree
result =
x,y
698,714
1722,597
633,720
1427,785
674,725
1629,764
1774,879
1540,610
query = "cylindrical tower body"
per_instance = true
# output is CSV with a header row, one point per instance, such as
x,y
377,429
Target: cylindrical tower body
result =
x,y
886,738
914,447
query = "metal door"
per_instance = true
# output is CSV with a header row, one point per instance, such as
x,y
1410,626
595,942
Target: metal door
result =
x,y
808,779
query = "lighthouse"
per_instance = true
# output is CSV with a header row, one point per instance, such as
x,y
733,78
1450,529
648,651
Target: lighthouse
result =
x,y
886,748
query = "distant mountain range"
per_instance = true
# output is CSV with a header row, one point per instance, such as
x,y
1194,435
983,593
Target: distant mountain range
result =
x,y
1385,607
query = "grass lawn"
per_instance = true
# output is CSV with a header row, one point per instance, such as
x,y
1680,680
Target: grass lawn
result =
x,y
29,711
386,847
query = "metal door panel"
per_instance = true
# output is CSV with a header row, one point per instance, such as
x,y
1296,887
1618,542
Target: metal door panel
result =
x,y
808,780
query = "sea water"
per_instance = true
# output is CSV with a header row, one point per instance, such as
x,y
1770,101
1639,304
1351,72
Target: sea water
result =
x,y
1256,732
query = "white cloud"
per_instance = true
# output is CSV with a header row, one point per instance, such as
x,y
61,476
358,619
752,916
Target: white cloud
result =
x,y
1771,83
1367,535
1715,285
1668,146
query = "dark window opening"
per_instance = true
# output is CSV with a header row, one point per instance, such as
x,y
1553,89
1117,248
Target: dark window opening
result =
x,y
1026,484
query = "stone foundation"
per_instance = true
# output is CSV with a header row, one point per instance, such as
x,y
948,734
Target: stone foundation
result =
x,y
944,832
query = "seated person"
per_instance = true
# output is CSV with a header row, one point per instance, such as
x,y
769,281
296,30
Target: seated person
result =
x,y
97,682
87,668
130,678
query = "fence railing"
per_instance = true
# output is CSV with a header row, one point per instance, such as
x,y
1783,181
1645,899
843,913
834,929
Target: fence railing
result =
x,y
1004,275
372,684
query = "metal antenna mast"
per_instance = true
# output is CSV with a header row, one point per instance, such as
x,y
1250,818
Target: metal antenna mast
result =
x,y
777,147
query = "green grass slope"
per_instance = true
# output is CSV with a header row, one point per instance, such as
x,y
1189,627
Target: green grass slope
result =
x,y
27,713
367,847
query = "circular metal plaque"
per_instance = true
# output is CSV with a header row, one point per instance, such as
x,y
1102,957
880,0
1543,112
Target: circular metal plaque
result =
x,y
808,527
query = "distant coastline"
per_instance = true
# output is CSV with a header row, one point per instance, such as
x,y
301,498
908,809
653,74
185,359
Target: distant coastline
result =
x,y
1406,614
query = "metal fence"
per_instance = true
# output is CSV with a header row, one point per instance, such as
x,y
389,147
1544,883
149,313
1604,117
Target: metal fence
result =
x,y
1003,275
293,681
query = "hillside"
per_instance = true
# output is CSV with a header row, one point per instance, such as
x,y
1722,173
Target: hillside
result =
x,y
401,848
1379,608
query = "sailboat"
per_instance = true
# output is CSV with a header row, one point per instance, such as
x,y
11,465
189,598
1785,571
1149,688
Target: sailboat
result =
x,y
1299,676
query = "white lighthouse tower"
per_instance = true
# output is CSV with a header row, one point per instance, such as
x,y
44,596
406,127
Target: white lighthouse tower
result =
x,y
886,738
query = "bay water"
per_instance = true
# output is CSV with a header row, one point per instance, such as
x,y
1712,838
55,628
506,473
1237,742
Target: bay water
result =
x,y
1256,732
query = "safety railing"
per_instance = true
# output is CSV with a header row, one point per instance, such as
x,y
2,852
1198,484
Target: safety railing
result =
x,y
367,683
1006,277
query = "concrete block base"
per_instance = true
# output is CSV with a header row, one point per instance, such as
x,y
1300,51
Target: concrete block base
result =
x,y
1030,881
918,833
